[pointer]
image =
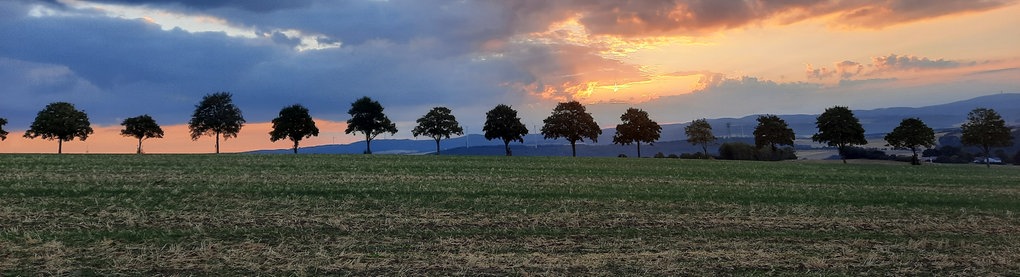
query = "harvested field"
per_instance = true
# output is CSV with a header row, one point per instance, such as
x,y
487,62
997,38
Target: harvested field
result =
x,y
415,215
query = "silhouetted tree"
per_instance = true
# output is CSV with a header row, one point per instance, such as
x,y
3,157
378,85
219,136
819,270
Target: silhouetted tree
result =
x,y
911,134
838,126
502,123
293,123
3,134
368,118
141,127
216,115
772,131
986,129
569,120
437,124
700,133
60,121
636,128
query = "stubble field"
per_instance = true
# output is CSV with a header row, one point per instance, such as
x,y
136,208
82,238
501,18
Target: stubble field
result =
x,y
415,215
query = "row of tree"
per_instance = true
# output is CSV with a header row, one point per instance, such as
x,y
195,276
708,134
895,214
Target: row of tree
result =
x,y
217,116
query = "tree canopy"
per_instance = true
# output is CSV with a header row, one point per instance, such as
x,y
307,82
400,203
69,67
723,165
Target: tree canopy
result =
x,y
986,129
636,128
141,127
3,134
367,117
216,115
911,134
293,123
700,133
838,126
772,131
60,121
502,123
570,121
437,124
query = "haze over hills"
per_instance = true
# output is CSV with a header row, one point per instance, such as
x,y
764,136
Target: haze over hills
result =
x,y
876,122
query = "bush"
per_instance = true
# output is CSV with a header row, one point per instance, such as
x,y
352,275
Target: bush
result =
x,y
659,155
1016,158
693,156
866,154
674,156
621,156
747,152
737,151
1005,158
953,155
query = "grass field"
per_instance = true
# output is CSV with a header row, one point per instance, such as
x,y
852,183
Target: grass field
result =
x,y
413,215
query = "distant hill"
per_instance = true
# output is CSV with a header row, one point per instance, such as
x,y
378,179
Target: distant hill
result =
x,y
876,122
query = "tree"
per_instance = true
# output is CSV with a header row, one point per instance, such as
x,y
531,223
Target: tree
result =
x,y
838,126
772,131
569,120
216,115
700,133
368,118
60,121
3,134
437,124
502,123
911,134
141,127
986,129
636,128
295,124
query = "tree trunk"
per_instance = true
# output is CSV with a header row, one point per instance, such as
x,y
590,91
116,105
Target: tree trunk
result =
x,y
217,142
841,155
295,146
639,149
368,144
437,147
914,160
139,146
988,151
573,148
506,144
60,146
704,149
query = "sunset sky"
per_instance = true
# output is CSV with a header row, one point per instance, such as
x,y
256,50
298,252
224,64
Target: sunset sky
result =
x,y
680,60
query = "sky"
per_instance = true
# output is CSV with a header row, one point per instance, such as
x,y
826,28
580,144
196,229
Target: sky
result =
x,y
679,60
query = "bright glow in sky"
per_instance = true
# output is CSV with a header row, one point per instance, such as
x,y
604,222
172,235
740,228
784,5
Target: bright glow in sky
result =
x,y
679,60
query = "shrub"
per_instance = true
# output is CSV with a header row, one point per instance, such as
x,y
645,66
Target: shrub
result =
x,y
865,153
693,156
659,155
621,156
737,151
674,156
744,151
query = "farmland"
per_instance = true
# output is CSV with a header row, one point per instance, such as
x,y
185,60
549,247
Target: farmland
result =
x,y
413,215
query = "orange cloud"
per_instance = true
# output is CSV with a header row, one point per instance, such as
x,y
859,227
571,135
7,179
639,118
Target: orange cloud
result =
x,y
694,17
107,139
